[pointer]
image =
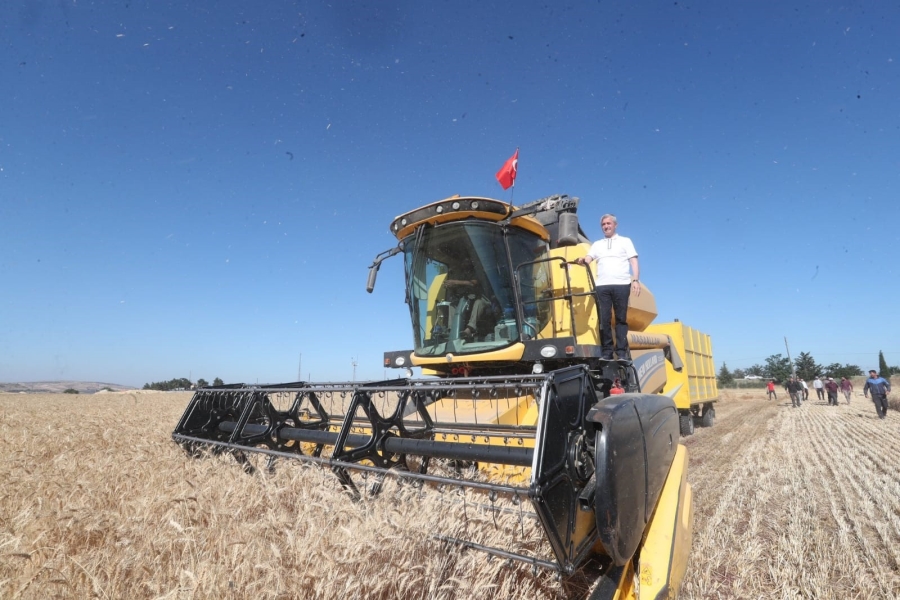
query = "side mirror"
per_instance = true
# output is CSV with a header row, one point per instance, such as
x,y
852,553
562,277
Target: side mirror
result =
x,y
373,269
373,273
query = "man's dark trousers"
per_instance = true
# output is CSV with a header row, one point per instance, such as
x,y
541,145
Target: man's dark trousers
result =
x,y
611,297
881,404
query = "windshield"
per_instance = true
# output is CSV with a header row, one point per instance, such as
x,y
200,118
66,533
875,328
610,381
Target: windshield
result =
x,y
462,292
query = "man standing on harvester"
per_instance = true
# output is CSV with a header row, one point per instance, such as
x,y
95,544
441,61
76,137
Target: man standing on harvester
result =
x,y
617,278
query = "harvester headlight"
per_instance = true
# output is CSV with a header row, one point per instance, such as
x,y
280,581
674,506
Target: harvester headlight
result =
x,y
439,209
400,361
548,351
455,206
537,368
475,205
403,222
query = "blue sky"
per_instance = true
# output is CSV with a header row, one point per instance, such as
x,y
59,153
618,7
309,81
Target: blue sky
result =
x,y
198,189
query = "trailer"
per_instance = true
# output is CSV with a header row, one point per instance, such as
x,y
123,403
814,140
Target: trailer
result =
x,y
694,387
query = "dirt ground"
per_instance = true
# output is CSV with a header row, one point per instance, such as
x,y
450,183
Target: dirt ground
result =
x,y
98,502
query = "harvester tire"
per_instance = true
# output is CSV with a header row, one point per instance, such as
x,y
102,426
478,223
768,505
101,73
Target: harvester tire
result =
x,y
687,424
708,418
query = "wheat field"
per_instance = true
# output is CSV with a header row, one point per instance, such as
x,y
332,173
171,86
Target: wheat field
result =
x,y
98,502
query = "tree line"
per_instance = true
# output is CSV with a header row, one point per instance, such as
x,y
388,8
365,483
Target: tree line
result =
x,y
180,383
779,368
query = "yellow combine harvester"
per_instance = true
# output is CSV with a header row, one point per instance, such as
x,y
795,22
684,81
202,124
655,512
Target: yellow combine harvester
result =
x,y
515,403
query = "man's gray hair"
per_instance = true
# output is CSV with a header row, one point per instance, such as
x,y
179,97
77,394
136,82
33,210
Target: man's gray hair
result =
x,y
611,216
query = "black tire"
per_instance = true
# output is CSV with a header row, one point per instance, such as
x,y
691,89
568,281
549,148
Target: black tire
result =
x,y
687,424
708,418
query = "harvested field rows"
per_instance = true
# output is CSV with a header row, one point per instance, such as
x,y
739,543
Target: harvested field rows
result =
x,y
796,502
97,502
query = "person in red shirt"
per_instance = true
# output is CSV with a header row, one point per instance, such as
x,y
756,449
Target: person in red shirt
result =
x,y
831,388
770,391
847,388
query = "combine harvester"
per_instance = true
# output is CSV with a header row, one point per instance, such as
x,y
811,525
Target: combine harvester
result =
x,y
513,413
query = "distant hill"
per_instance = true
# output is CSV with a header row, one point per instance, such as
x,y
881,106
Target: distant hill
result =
x,y
51,387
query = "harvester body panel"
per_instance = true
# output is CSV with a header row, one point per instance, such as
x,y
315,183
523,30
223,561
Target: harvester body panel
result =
x,y
668,537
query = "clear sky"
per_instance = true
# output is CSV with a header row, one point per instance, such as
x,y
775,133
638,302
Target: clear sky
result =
x,y
197,189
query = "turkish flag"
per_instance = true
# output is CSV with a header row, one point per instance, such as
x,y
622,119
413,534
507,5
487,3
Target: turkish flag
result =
x,y
507,173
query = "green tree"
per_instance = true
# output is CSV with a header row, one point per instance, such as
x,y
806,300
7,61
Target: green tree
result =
x,y
70,391
883,369
806,366
218,381
172,384
202,383
758,370
838,370
778,367
725,377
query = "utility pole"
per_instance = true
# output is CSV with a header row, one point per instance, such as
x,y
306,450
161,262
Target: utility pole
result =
x,y
300,368
793,368
354,363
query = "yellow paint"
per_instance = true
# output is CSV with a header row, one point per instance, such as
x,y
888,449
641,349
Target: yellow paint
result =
x,y
510,353
698,377
667,541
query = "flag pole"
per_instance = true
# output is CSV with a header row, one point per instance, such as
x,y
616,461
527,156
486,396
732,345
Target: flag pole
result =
x,y
512,192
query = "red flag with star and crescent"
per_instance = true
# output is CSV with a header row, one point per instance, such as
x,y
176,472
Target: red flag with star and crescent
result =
x,y
507,173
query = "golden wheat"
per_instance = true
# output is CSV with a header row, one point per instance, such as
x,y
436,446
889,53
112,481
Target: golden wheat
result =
x,y
98,502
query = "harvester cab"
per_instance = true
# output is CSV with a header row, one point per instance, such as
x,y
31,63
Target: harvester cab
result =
x,y
513,411
492,289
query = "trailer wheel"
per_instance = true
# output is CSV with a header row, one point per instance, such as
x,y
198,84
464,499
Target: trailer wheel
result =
x,y
687,424
709,417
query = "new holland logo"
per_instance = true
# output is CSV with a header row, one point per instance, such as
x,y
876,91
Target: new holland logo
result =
x,y
648,364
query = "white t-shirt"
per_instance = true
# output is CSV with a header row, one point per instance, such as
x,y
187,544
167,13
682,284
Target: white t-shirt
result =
x,y
611,255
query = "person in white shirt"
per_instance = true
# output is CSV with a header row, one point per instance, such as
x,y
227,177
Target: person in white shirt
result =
x,y
618,273
819,387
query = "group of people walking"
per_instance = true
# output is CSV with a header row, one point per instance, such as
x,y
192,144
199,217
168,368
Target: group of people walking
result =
x,y
799,390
